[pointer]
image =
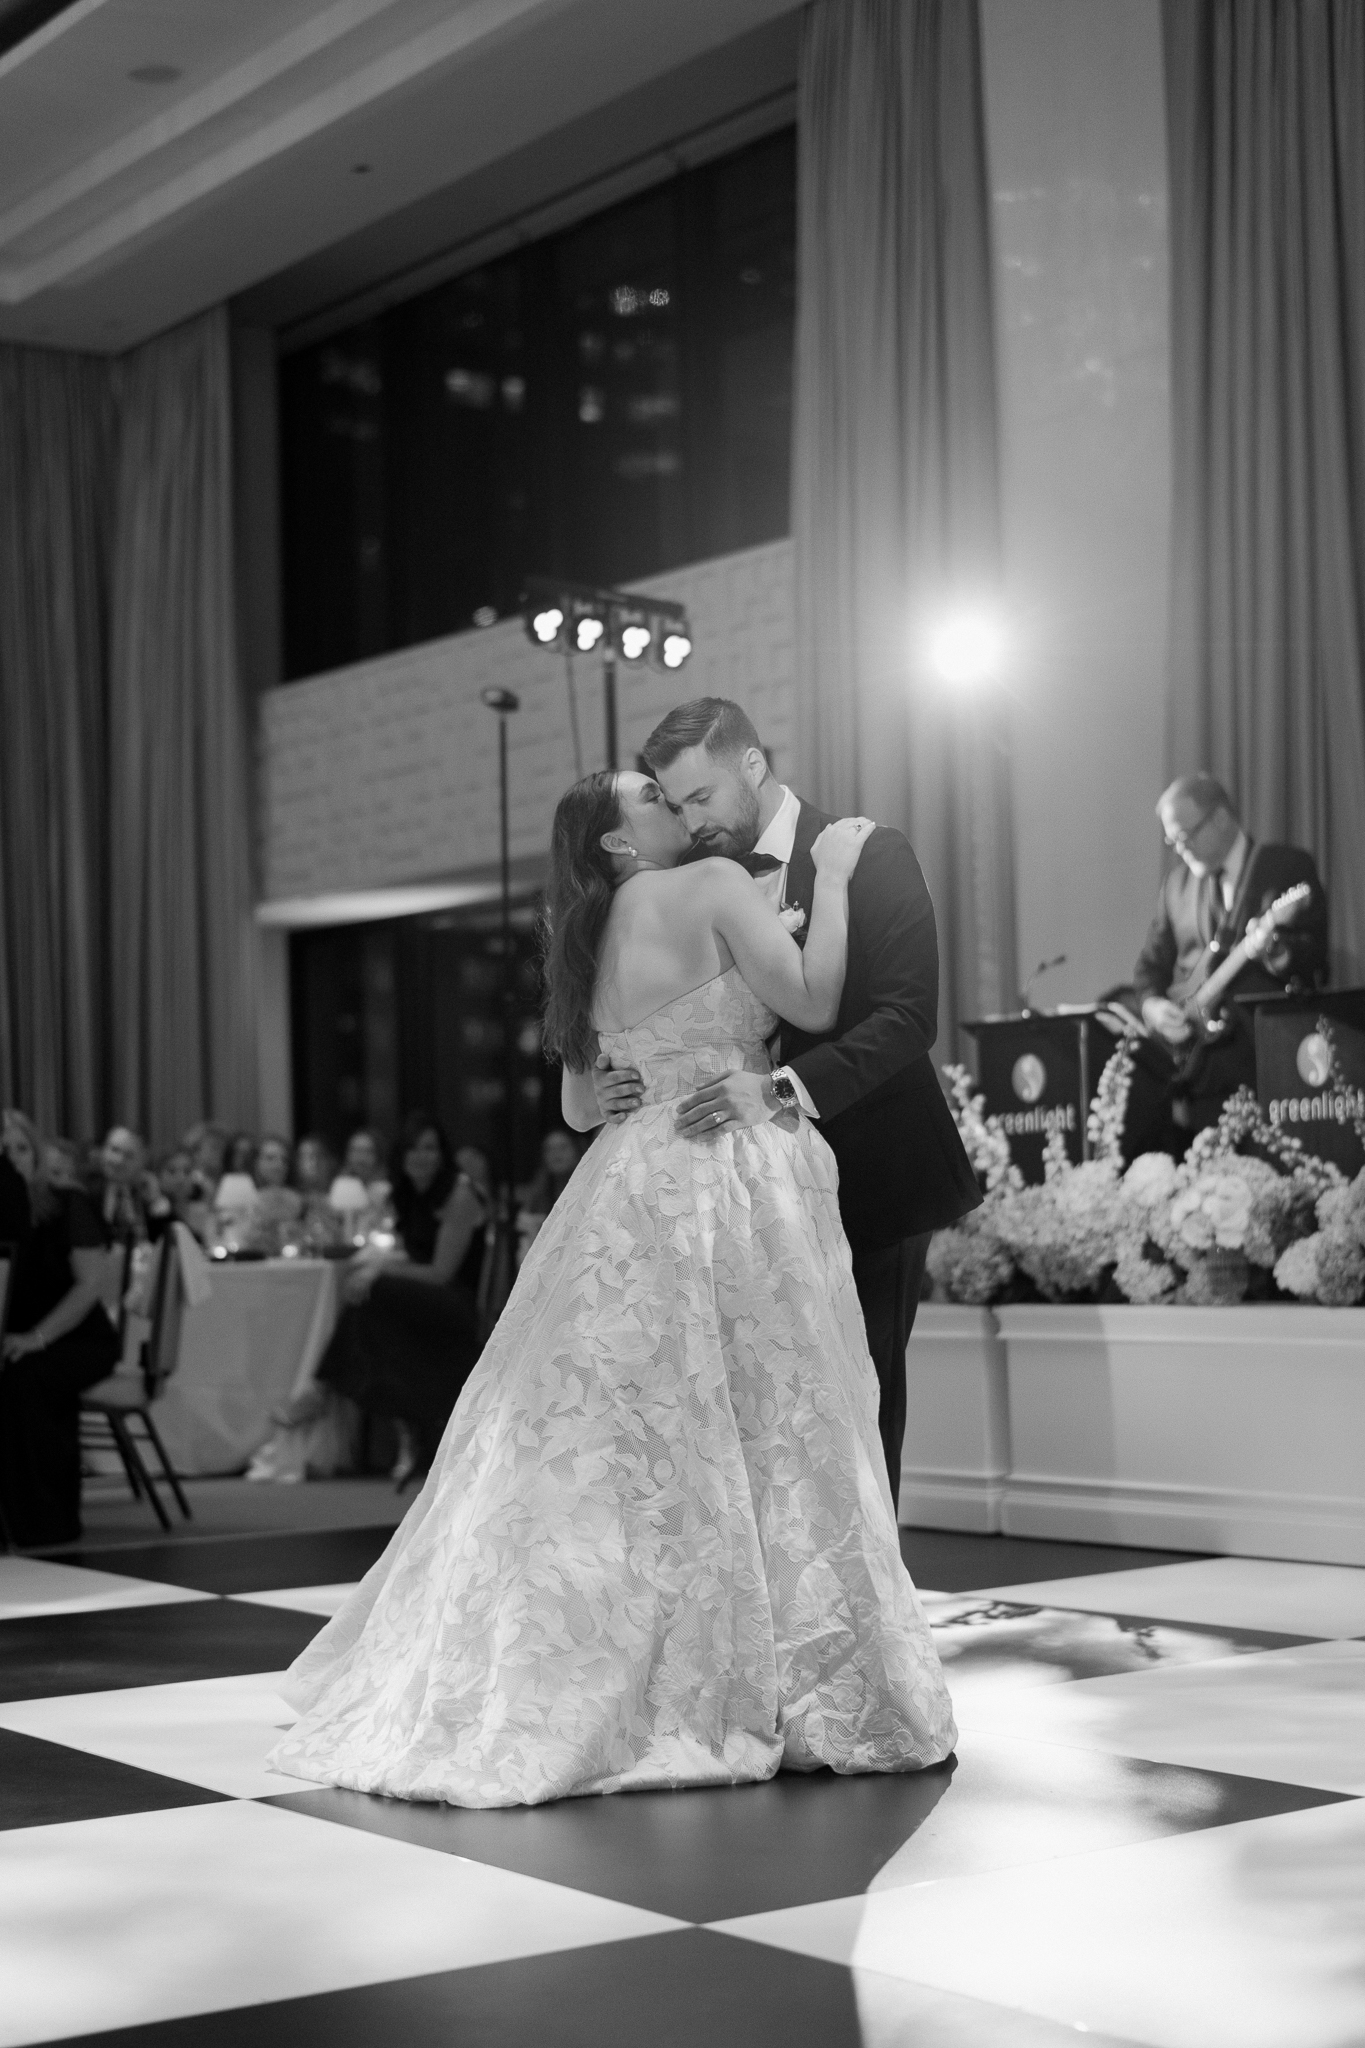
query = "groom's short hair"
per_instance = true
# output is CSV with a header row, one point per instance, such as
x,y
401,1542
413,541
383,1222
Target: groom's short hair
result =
x,y
717,724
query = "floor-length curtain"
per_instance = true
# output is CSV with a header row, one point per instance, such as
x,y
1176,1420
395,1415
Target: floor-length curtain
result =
x,y
182,973
895,507
127,989
1266,122
56,441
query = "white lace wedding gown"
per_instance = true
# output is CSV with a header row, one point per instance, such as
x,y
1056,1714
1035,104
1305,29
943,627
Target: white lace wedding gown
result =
x,y
656,1547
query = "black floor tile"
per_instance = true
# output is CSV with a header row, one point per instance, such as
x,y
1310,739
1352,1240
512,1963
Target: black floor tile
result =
x,y
705,1854
708,1855
993,1646
692,1989
68,1653
42,1783
954,1561
244,1564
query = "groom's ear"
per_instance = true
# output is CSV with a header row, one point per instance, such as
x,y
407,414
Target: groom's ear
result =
x,y
755,765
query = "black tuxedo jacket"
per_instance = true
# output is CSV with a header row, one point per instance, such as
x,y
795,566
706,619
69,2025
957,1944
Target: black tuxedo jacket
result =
x,y
1172,957
902,1168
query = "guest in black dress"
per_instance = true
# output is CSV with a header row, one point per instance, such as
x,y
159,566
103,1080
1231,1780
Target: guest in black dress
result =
x,y
58,1342
408,1336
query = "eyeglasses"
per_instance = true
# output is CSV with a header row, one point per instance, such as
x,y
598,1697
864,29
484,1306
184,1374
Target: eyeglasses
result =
x,y
1179,840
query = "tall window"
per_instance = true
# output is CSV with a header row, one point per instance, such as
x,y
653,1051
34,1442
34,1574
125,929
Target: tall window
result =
x,y
609,402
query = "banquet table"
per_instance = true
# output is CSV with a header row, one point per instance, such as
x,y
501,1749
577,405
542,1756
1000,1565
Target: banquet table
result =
x,y
258,1337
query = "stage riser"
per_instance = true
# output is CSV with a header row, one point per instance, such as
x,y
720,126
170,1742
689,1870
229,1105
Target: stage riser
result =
x,y
957,1443
1239,1431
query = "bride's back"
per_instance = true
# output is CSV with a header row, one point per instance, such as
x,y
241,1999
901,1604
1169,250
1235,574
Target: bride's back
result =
x,y
660,942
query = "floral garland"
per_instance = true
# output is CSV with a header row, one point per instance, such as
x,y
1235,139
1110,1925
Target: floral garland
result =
x,y
1109,1109
1247,1200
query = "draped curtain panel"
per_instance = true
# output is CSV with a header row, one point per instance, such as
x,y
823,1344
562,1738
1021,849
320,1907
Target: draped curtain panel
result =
x,y
127,989
56,445
1266,120
895,491
183,986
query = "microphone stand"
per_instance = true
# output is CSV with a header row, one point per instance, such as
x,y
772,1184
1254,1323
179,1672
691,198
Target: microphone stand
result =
x,y
499,1250
1043,967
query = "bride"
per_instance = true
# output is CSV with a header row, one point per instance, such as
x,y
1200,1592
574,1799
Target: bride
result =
x,y
656,1546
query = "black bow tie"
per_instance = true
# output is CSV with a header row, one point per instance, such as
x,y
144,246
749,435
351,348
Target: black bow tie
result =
x,y
760,863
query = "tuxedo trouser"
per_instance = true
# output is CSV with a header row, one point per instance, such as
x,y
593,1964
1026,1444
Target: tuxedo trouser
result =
x,y
888,1283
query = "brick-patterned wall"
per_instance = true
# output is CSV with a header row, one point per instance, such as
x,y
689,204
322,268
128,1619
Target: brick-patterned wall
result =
x,y
387,772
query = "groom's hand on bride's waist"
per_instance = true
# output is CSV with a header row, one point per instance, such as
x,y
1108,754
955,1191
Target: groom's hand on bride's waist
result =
x,y
730,1102
619,1089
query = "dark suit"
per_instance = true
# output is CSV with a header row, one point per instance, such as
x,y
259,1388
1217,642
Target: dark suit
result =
x,y
903,1172
124,1211
1190,937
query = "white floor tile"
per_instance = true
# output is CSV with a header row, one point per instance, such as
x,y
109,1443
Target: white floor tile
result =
x,y
214,1732
1295,1715
1228,1592
30,1587
300,1599
1249,1936
153,1916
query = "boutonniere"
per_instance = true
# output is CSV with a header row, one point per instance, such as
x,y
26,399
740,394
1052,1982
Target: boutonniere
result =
x,y
793,919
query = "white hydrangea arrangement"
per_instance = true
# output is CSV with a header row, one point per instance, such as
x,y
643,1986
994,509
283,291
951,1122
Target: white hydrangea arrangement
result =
x,y
1247,1203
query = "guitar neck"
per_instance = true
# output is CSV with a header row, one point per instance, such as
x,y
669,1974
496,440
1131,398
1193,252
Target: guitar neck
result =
x,y
1208,992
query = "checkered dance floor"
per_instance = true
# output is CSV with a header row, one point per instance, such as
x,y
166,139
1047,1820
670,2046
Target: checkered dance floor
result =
x,y
1152,1832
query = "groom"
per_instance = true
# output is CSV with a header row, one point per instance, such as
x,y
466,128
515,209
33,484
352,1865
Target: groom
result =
x,y
869,1083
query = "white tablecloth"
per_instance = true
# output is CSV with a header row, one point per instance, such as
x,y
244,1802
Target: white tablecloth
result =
x,y
258,1337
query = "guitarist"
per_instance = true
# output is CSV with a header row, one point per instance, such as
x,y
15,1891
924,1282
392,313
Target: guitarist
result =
x,y
1221,883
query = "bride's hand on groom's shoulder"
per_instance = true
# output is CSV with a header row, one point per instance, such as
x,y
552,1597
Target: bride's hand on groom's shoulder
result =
x,y
619,1090
837,849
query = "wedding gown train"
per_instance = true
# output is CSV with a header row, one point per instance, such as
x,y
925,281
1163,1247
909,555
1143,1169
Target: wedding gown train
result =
x,y
656,1547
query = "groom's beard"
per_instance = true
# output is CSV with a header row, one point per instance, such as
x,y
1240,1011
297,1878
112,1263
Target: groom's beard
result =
x,y
731,841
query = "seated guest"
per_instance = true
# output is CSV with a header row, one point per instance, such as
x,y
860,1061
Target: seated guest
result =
x,y
1222,882
275,1205
207,1146
181,1191
58,1342
128,1197
360,1190
14,1209
314,1172
64,1164
558,1158
314,1167
234,1196
408,1335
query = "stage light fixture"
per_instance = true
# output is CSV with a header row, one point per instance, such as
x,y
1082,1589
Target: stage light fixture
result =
x,y
545,625
632,631
617,625
966,648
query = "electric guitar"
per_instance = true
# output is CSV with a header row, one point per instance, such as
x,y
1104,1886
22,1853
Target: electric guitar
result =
x,y
1202,1006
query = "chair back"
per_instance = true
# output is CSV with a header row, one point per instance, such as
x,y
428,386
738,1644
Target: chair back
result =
x,y
6,1276
161,1352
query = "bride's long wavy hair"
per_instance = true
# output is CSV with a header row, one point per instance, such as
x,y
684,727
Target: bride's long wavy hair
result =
x,y
577,901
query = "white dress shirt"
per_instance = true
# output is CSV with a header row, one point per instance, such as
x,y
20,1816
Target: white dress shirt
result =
x,y
776,843
1231,876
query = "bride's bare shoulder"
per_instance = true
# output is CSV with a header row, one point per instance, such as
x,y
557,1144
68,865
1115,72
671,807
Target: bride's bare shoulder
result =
x,y
715,872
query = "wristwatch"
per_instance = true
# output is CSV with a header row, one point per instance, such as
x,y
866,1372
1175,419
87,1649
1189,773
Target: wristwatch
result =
x,y
784,1091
